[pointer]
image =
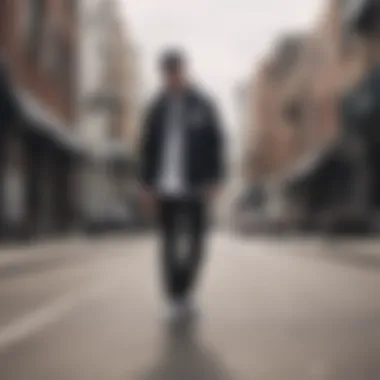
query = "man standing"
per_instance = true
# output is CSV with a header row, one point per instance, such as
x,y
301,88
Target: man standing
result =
x,y
182,167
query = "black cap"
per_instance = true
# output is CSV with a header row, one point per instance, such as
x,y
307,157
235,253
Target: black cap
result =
x,y
172,60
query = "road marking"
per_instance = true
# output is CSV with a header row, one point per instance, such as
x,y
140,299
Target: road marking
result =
x,y
11,259
34,322
33,257
58,250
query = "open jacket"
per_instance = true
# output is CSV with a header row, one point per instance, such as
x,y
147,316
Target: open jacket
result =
x,y
204,142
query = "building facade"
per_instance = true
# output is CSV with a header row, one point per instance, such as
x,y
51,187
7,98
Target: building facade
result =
x,y
280,129
303,121
347,55
39,142
108,111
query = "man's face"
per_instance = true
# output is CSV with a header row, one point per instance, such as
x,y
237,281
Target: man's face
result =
x,y
175,78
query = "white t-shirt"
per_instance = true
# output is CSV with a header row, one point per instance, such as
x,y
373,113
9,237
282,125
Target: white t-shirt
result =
x,y
171,181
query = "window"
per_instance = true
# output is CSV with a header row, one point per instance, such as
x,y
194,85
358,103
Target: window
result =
x,y
115,123
288,54
33,25
66,66
346,43
51,45
368,24
71,5
294,111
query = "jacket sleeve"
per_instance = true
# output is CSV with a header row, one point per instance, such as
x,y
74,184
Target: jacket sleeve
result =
x,y
217,146
146,147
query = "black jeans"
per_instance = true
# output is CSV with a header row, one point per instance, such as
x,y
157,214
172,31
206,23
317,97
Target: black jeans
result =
x,y
182,227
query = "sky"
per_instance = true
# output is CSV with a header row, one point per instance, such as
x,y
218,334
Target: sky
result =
x,y
225,39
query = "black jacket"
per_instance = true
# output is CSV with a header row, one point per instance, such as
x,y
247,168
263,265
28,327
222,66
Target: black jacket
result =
x,y
204,142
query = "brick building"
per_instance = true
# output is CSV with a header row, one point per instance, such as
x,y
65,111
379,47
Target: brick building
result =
x,y
279,131
251,135
310,141
39,145
347,43
319,156
107,92
279,96
123,76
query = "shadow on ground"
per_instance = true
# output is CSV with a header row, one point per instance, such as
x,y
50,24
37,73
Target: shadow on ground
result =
x,y
185,358
357,259
335,250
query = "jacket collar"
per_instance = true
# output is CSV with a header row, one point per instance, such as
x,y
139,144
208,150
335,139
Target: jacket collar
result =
x,y
189,95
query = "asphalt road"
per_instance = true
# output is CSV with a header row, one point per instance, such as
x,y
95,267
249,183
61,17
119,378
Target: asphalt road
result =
x,y
286,310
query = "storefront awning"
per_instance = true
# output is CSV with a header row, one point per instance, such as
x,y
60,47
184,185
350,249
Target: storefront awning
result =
x,y
18,104
309,163
45,122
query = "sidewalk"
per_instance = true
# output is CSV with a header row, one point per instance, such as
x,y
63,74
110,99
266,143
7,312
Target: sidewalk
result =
x,y
364,253
360,253
76,245
40,250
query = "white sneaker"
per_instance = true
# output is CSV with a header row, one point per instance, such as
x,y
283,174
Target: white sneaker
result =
x,y
176,311
191,309
181,310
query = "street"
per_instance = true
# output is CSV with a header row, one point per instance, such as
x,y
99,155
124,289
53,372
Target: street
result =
x,y
286,310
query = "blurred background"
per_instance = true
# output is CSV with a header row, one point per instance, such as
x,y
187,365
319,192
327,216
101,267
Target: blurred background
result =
x,y
292,290
309,151
70,97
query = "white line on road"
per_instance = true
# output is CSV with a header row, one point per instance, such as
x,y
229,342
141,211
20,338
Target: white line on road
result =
x,y
21,258
34,322
28,255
